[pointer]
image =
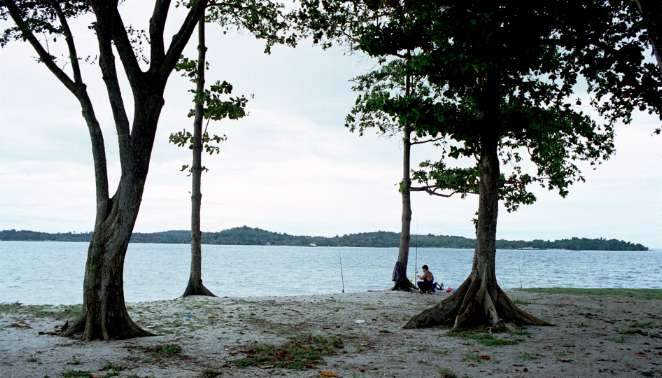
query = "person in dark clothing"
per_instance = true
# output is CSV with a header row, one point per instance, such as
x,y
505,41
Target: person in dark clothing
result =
x,y
426,282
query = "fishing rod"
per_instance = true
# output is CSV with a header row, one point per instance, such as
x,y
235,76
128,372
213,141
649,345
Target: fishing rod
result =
x,y
415,257
342,277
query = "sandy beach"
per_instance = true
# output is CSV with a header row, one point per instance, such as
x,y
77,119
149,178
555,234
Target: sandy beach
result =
x,y
344,335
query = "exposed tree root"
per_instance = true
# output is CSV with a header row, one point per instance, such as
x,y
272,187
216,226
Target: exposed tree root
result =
x,y
197,289
472,305
403,285
119,329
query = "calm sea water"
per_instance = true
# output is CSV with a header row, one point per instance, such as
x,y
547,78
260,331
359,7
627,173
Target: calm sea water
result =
x,y
52,272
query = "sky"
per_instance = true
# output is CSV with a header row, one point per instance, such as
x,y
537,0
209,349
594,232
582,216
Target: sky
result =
x,y
291,165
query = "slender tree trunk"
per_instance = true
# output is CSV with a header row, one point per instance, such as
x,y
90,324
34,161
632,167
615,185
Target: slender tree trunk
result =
x,y
195,286
479,301
401,282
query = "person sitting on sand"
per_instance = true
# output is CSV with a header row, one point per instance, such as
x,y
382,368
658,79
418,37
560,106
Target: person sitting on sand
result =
x,y
427,280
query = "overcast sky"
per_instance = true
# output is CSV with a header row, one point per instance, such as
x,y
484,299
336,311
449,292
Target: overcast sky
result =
x,y
290,166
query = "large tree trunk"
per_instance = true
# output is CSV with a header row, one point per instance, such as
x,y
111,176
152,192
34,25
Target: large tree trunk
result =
x,y
105,316
479,301
195,286
104,312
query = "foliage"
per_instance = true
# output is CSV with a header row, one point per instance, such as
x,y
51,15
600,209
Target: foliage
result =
x,y
264,19
41,18
255,236
507,69
218,104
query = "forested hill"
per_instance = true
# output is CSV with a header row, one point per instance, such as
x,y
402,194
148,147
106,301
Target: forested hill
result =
x,y
255,236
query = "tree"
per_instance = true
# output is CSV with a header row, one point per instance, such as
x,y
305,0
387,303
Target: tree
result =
x,y
209,106
104,311
265,20
387,101
344,22
499,79
507,71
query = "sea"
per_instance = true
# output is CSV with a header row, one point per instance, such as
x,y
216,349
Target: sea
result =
x,y
52,272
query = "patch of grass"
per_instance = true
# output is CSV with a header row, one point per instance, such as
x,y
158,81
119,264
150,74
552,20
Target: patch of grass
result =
x,y
631,293
112,369
441,351
618,339
42,311
484,337
76,374
210,373
447,373
526,356
637,326
162,351
521,302
297,353
472,356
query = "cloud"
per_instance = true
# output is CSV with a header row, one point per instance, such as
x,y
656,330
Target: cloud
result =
x,y
291,166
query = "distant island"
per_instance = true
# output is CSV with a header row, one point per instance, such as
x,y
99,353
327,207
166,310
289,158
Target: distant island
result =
x,y
255,236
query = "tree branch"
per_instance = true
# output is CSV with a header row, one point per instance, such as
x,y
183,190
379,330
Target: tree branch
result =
x,y
71,45
427,140
156,27
125,50
180,40
104,12
431,190
77,88
44,56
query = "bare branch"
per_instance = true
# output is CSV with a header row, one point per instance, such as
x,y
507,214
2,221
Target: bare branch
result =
x,y
71,45
44,56
427,140
104,12
156,27
76,87
180,40
432,191
125,50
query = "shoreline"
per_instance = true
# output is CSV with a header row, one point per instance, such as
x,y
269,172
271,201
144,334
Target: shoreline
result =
x,y
648,249
612,333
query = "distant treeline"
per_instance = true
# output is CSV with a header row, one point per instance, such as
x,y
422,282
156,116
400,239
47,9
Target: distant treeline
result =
x,y
255,236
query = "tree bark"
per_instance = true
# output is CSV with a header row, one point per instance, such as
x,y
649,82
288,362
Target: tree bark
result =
x,y
479,301
401,280
195,286
105,316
